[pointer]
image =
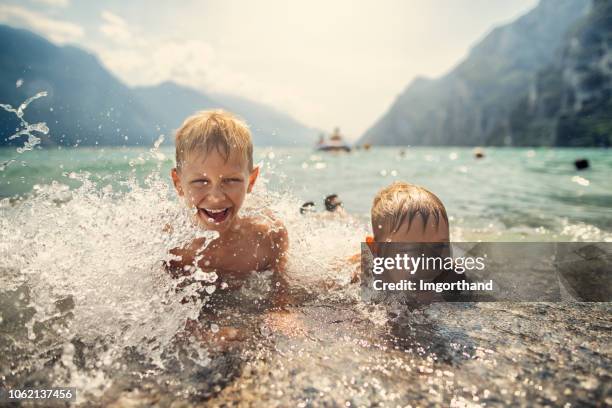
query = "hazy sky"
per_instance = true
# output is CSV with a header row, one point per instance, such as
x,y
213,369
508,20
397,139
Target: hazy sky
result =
x,y
325,62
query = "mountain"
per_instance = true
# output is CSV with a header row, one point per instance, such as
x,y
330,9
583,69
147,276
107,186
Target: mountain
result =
x,y
570,103
472,104
266,122
172,103
85,105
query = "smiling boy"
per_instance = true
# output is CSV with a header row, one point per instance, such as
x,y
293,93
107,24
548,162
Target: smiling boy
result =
x,y
214,172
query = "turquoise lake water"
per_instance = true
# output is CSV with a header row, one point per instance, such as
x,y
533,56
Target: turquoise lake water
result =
x,y
511,194
85,302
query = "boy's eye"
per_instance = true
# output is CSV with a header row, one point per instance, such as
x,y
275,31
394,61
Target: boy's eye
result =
x,y
233,180
200,182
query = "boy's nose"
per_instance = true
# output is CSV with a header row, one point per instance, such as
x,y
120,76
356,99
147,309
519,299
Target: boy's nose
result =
x,y
215,195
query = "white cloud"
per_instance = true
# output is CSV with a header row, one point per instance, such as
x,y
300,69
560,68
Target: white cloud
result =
x,y
115,28
56,30
188,62
55,3
195,63
140,60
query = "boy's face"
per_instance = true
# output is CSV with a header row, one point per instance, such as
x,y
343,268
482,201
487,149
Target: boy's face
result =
x,y
215,186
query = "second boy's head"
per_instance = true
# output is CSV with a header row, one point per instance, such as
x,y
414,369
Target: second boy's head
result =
x,y
214,167
413,216
404,212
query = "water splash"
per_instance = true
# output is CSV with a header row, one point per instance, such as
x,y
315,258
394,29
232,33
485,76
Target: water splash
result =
x,y
83,290
31,130
82,268
87,265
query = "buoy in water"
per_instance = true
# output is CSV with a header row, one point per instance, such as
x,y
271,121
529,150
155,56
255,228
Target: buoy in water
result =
x,y
581,164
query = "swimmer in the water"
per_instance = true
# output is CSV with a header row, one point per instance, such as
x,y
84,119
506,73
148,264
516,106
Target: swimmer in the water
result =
x,y
332,203
333,207
214,172
307,207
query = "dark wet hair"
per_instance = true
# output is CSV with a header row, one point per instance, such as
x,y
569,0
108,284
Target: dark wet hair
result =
x,y
330,202
307,207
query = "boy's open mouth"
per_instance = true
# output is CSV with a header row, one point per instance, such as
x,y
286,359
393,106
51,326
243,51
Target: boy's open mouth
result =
x,y
216,215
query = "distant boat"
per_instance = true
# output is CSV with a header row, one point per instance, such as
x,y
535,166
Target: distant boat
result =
x,y
334,144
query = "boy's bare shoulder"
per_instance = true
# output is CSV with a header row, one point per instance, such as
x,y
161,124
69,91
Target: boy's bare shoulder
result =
x,y
265,224
267,227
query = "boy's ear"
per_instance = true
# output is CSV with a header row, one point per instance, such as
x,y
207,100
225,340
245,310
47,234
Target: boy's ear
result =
x,y
176,180
253,178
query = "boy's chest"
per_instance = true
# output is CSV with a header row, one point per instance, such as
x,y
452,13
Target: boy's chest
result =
x,y
233,261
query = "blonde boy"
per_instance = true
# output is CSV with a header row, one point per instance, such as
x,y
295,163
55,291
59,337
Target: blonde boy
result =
x,y
408,214
214,172
414,216
404,212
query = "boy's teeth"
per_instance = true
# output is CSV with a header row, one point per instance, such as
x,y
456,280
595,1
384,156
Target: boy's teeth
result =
x,y
215,215
215,211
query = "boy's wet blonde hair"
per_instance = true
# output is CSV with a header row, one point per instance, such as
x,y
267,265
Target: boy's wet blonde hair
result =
x,y
401,202
214,129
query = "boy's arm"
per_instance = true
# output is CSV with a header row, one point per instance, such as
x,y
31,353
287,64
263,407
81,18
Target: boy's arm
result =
x,y
355,262
280,245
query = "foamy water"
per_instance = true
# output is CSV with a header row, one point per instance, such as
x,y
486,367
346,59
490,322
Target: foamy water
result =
x,y
82,270
86,263
85,301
